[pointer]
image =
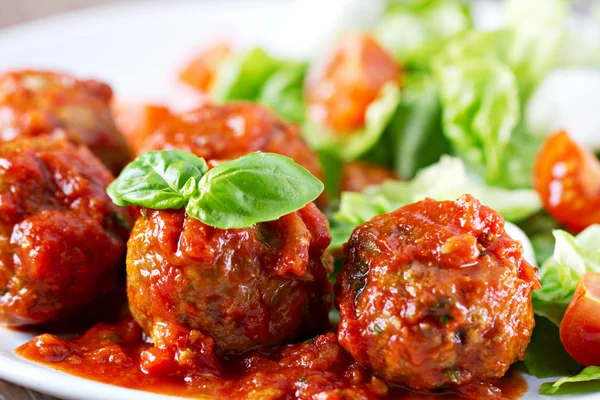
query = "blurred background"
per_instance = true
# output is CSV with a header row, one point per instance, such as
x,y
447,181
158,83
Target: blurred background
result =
x,y
15,11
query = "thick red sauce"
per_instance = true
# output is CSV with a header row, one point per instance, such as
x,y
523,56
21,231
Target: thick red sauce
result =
x,y
121,355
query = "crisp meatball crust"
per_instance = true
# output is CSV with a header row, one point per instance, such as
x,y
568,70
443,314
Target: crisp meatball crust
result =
x,y
436,294
34,103
226,132
253,287
62,241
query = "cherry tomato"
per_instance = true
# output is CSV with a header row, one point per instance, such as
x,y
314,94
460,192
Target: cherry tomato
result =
x,y
340,92
580,327
567,178
136,121
200,73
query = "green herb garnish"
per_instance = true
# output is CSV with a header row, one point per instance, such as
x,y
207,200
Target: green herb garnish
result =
x,y
255,188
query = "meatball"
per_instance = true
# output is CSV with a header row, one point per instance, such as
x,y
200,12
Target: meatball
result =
x,y
62,240
34,103
226,132
436,294
252,287
359,175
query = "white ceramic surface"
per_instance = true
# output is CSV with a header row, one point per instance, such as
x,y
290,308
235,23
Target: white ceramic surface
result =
x,y
137,47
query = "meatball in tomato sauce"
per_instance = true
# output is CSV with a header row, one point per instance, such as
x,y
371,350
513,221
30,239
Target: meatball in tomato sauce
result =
x,y
34,103
226,132
62,241
436,294
247,288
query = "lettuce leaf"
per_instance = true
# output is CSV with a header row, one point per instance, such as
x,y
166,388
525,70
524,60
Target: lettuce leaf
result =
x,y
258,77
481,109
545,356
415,134
538,229
241,76
573,256
589,374
413,33
351,145
283,91
539,28
446,180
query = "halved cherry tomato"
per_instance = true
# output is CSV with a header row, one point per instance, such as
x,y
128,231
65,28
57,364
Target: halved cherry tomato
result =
x,y
340,92
580,327
136,121
567,178
200,73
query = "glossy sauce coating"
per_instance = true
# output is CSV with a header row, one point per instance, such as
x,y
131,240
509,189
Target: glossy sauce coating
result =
x,y
317,369
253,287
436,294
34,103
62,241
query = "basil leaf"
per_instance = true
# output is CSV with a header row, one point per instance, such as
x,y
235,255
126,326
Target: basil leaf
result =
x,y
159,180
255,188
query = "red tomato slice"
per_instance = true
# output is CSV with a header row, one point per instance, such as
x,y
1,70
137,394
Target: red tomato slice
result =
x,y
200,73
339,94
567,178
136,121
580,327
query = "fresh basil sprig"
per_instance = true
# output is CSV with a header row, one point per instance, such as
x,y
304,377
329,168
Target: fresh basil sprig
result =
x,y
255,188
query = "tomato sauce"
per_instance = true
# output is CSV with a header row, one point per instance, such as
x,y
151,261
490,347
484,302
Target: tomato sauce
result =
x,y
120,354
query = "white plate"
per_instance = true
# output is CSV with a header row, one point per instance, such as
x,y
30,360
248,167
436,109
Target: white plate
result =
x,y
137,47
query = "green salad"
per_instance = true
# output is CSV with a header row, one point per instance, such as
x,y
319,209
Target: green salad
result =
x,y
452,118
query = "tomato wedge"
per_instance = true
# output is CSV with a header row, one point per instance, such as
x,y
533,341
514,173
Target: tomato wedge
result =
x,y
200,73
340,92
580,327
567,178
136,121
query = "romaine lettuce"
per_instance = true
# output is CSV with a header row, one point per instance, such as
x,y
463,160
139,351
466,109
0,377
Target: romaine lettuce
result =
x,y
589,374
351,145
480,104
446,180
241,76
573,256
413,33
415,137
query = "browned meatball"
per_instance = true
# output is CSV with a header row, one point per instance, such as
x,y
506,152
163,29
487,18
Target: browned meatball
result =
x,y
359,175
258,286
226,132
34,103
62,241
436,294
